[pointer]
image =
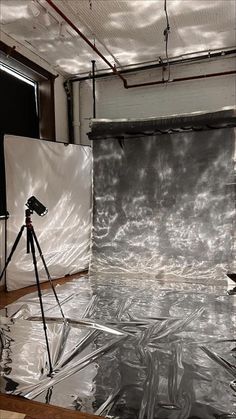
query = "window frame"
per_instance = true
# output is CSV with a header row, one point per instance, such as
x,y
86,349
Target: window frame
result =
x,y
45,87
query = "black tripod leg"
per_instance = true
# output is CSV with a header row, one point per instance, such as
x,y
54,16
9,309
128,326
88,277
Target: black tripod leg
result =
x,y
47,272
27,241
12,250
31,241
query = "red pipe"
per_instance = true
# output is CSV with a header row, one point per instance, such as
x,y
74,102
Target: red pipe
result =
x,y
87,41
125,83
202,76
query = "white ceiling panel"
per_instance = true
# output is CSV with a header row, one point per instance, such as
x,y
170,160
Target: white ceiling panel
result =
x,y
125,31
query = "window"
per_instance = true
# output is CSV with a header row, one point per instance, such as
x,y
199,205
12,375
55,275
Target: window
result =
x,y
27,103
19,113
19,110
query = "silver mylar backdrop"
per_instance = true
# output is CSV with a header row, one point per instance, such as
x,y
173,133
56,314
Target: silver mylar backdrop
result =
x,y
164,205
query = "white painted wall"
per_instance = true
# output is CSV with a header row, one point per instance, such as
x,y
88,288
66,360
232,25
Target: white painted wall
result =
x,y
113,101
61,122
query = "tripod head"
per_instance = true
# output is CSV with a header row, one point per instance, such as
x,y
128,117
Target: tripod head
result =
x,y
28,221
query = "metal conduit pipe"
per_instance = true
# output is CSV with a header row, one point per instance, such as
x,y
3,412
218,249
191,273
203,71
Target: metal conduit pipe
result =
x,y
201,76
113,68
159,82
101,74
69,95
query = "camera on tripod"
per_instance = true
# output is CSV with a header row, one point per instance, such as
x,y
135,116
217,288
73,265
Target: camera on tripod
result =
x,y
31,241
36,206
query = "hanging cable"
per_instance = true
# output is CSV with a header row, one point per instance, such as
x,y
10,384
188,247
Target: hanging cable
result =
x,y
166,36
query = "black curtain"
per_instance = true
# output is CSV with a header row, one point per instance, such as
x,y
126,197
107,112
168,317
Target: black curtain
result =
x,y
18,116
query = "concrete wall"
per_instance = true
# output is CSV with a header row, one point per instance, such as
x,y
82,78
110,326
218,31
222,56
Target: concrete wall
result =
x,y
113,101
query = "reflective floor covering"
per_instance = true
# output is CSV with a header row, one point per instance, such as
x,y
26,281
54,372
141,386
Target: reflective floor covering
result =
x,y
129,349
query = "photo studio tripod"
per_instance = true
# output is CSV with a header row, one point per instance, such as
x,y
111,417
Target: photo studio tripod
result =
x,y
34,205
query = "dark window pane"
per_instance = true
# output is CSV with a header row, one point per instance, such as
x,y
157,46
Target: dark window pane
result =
x,y
18,116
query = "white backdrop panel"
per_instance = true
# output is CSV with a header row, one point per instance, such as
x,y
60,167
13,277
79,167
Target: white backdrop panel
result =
x,y
60,177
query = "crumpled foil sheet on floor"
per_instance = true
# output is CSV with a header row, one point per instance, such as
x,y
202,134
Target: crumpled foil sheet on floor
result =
x,y
130,349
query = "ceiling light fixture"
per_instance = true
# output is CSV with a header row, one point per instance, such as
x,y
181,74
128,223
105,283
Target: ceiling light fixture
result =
x,y
34,9
62,30
46,20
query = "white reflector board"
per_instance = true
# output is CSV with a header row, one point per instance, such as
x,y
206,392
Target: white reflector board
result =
x,y
59,176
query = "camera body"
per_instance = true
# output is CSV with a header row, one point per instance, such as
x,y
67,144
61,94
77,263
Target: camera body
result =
x,y
35,205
